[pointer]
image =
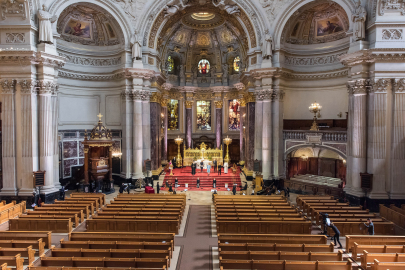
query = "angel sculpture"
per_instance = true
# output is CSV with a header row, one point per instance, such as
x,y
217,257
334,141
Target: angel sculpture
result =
x,y
228,8
174,6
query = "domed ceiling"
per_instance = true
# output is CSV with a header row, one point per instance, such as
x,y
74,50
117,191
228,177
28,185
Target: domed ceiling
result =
x,y
316,23
88,24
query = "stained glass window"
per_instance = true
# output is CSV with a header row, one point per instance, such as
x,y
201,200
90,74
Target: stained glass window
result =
x,y
204,115
236,64
204,66
173,115
234,115
170,62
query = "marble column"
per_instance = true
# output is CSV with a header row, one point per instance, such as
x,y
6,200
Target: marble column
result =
x,y
398,145
29,116
358,144
189,113
267,134
155,134
137,144
242,130
218,112
127,119
250,135
46,134
146,128
278,151
258,129
165,123
55,115
8,138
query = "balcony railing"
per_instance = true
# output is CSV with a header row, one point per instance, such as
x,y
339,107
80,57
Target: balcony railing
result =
x,y
334,136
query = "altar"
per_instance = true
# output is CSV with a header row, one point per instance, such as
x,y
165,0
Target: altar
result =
x,y
207,155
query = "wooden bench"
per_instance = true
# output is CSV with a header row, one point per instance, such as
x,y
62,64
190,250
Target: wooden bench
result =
x,y
276,247
118,245
16,261
73,218
54,225
302,198
259,218
314,210
272,238
87,268
347,228
104,262
281,255
99,196
387,265
319,219
79,213
36,245
262,215
283,265
130,214
392,215
358,249
24,252
76,203
373,240
111,253
264,227
94,201
307,207
119,236
60,207
11,210
28,235
367,258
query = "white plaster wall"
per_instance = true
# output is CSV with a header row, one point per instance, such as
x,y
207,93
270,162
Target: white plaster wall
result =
x,y
332,100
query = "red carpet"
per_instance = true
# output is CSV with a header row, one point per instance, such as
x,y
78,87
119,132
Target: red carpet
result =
x,y
184,176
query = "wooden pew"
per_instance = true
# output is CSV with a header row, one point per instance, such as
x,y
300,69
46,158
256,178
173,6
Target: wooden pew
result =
x,y
120,236
358,228
94,201
276,247
358,249
11,210
264,227
16,261
392,215
387,265
46,236
272,238
259,218
332,217
257,214
128,225
111,253
36,245
131,214
60,207
368,258
87,268
54,225
313,210
4,266
281,255
73,218
373,240
99,196
76,203
284,265
24,252
307,207
302,198
118,245
79,213
103,262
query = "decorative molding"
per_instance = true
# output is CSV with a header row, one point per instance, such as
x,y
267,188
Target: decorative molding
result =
x,y
219,104
262,95
399,86
189,104
331,136
15,38
312,61
13,8
156,97
154,29
31,57
141,95
392,5
392,34
87,61
151,61
278,94
380,86
8,86
46,87
253,60
75,76
28,86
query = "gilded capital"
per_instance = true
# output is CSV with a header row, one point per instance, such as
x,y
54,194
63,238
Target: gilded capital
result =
x,y
219,104
189,104
163,102
156,97
243,102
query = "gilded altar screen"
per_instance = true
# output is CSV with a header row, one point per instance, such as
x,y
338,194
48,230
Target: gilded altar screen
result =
x,y
234,115
173,114
204,115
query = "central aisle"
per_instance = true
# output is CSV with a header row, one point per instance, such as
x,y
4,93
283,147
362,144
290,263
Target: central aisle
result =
x,y
197,243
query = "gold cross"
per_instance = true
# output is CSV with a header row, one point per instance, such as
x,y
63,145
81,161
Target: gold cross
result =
x,y
99,117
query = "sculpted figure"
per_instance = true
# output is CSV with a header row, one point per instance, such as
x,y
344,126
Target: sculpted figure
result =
x,y
228,8
136,46
45,25
225,71
174,6
267,49
359,17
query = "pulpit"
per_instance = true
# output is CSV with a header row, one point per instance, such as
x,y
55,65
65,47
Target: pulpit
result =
x,y
98,159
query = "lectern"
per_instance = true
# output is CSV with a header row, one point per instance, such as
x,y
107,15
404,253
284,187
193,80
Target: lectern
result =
x,y
98,158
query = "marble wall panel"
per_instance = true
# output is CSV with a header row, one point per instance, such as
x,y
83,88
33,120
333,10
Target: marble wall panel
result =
x,y
67,163
70,149
81,149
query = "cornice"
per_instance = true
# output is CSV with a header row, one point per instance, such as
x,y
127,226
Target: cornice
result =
x,y
31,58
372,56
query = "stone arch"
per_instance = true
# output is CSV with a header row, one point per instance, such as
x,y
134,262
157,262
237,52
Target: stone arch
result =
x,y
296,147
282,20
58,7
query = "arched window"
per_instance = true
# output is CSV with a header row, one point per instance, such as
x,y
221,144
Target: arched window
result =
x,y
236,64
170,64
204,66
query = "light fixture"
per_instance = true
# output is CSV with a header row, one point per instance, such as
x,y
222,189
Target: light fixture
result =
x,y
304,157
203,16
117,154
315,108
227,141
178,141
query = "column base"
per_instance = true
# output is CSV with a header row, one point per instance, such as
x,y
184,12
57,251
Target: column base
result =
x,y
357,192
26,192
8,192
137,176
378,195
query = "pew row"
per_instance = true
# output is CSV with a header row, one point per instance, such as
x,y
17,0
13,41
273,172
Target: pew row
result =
x,y
392,215
16,261
368,258
99,196
377,265
281,255
35,244
358,249
32,224
46,236
79,213
89,268
73,218
276,247
272,238
264,227
373,240
283,265
127,225
27,252
358,228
